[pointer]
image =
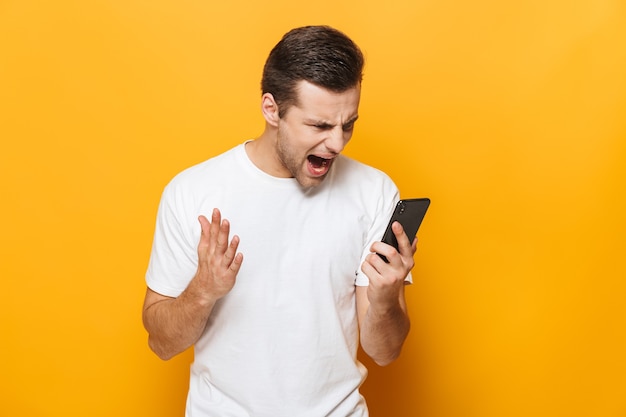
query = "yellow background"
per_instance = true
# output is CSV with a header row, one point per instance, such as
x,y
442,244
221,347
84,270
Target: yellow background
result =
x,y
510,116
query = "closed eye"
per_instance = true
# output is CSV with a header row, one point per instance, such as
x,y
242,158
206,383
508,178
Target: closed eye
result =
x,y
323,126
348,127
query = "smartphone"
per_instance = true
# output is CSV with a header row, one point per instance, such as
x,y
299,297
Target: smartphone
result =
x,y
410,214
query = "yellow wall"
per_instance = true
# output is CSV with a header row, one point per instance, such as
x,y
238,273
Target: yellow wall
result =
x,y
511,116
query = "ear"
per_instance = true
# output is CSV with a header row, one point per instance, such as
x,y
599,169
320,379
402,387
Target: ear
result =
x,y
269,109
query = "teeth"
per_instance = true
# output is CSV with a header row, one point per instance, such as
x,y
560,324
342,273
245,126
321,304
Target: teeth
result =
x,y
319,161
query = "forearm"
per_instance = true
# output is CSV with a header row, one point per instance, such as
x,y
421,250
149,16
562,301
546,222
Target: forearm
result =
x,y
175,324
384,331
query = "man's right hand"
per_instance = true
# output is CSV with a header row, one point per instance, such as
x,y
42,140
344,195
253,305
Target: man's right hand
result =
x,y
175,324
218,260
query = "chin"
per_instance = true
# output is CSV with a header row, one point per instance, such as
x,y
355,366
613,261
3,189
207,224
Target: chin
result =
x,y
309,182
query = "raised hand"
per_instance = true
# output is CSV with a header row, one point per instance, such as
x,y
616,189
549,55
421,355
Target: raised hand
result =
x,y
218,260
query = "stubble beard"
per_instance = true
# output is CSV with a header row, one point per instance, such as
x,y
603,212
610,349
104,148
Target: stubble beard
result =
x,y
294,164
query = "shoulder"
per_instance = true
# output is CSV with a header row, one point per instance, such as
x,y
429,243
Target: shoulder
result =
x,y
362,174
207,178
205,169
206,172
369,190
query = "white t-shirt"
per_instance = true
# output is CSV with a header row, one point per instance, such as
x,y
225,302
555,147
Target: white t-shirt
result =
x,y
283,342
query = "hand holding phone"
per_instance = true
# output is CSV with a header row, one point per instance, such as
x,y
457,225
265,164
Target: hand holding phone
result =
x,y
409,213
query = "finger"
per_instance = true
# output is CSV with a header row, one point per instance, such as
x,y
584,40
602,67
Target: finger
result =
x,y
229,255
204,227
369,270
376,266
236,264
404,244
216,219
383,250
203,244
380,265
222,238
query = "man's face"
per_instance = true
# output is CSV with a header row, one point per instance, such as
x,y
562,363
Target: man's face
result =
x,y
314,131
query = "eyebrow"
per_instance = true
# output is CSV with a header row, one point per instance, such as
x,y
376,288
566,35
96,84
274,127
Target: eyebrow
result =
x,y
352,120
325,124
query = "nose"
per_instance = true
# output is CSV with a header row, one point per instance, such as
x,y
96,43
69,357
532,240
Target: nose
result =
x,y
336,140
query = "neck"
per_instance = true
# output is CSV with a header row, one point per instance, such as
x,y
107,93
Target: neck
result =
x,y
262,153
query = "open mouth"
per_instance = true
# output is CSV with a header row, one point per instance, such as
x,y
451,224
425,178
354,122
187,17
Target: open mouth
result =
x,y
319,165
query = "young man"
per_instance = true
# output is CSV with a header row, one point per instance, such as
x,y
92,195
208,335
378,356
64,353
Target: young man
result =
x,y
276,298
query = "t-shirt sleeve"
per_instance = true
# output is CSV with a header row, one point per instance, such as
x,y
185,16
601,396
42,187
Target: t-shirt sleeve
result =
x,y
173,259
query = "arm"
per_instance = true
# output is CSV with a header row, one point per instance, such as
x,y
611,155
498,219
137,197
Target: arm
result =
x,y
381,307
175,324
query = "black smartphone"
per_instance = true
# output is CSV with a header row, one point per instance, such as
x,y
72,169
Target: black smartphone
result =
x,y
410,214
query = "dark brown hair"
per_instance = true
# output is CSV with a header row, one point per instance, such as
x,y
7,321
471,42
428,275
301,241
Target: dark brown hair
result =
x,y
320,55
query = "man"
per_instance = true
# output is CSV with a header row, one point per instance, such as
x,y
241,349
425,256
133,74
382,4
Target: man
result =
x,y
276,311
